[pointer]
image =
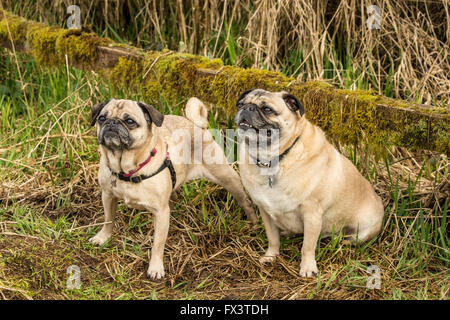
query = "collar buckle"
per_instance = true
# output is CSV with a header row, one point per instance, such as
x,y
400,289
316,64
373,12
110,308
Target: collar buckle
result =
x,y
136,179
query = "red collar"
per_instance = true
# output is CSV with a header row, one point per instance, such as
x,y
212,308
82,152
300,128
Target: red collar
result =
x,y
130,173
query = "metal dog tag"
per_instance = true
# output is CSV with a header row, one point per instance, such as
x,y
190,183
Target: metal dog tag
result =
x,y
270,181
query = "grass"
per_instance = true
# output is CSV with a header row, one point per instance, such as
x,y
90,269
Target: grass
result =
x,y
407,58
50,206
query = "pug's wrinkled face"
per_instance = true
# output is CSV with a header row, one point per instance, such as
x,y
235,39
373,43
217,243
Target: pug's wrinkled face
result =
x,y
261,113
124,124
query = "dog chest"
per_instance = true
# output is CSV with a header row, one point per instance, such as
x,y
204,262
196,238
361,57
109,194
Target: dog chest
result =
x,y
274,200
127,192
130,197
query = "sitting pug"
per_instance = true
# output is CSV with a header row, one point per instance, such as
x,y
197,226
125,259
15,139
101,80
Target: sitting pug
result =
x,y
304,185
144,156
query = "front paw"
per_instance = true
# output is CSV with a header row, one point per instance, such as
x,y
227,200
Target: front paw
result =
x,y
100,238
266,259
155,271
308,268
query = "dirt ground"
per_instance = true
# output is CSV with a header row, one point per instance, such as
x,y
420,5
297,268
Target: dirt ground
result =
x,y
210,253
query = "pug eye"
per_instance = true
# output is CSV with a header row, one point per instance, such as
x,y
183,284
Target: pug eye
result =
x,y
130,122
267,110
101,119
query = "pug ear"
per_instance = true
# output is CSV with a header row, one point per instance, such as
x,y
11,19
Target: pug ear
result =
x,y
243,95
293,103
96,109
153,115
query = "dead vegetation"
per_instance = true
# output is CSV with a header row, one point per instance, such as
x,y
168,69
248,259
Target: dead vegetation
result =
x,y
214,255
406,58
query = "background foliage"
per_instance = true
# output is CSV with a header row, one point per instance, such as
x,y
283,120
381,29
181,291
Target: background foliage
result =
x,y
407,58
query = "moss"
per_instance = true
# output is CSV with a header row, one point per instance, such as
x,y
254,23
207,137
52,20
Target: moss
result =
x,y
126,72
443,139
80,48
43,42
17,26
50,45
174,75
358,116
239,80
181,75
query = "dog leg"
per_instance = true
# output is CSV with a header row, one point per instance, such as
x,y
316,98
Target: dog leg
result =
x,y
109,206
230,180
156,267
273,237
312,224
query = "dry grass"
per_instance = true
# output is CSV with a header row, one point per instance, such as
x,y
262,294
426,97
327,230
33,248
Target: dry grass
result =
x,y
407,58
409,52
208,255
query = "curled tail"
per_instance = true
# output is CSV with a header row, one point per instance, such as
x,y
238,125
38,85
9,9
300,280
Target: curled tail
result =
x,y
196,112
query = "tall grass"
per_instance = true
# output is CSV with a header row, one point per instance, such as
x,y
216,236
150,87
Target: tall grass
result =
x,y
406,58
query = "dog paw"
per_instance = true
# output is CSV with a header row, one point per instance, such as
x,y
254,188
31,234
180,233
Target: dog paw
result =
x,y
100,238
251,216
308,269
156,272
267,259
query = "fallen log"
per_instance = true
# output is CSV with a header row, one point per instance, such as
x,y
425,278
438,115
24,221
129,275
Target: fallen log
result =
x,y
350,116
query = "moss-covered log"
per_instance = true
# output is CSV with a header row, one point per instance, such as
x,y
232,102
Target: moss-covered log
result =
x,y
350,116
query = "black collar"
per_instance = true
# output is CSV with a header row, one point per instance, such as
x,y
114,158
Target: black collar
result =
x,y
136,179
269,163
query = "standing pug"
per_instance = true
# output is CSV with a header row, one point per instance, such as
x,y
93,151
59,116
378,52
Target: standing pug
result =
x,y
304,185
144,156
